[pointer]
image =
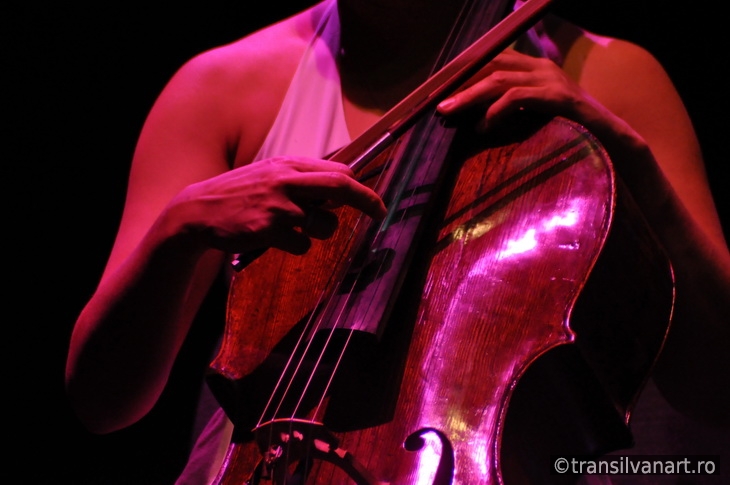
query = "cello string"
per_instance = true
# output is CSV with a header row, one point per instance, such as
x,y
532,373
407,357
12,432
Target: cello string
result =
x,y
309,328
401,193
315,324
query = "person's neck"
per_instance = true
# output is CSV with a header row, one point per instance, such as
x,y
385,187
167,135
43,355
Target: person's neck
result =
x,y
389,47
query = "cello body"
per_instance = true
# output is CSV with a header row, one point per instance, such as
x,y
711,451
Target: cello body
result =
x,y
532,311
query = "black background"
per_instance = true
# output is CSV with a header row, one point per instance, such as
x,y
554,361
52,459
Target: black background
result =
x,y
81,80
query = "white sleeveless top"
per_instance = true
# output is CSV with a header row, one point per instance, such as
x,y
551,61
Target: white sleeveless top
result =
x,y
311,120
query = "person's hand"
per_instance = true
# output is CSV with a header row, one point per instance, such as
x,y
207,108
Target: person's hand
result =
x,y
280,202
514,82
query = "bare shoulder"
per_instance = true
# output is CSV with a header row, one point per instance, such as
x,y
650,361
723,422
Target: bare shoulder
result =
x,y
630,82
615,71
265,55
238,87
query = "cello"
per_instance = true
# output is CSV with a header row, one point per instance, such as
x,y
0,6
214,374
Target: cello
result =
x,y
481,325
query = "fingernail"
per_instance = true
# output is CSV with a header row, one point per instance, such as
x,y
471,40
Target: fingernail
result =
x,y
446,104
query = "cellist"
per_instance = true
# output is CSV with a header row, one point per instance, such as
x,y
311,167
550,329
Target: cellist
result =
x,y
290,93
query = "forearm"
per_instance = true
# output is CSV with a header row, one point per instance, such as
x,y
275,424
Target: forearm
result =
x,y
127,337
691,366
693,369
700,259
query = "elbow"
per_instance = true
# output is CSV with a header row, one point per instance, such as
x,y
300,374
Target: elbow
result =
x,y
99,409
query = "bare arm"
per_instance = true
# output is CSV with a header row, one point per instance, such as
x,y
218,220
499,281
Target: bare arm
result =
x,y
665,173
126,338
192,198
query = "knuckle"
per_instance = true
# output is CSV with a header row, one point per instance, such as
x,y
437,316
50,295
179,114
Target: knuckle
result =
x,y
338,179
500,78
545,63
